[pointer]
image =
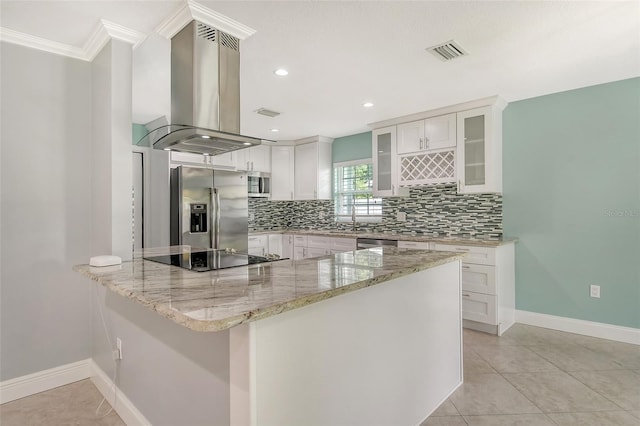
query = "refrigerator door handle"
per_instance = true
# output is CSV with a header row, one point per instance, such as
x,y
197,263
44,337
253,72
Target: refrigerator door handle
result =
x,y
215,234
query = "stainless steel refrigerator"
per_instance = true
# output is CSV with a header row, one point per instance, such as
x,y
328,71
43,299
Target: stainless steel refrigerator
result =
x,y
209,209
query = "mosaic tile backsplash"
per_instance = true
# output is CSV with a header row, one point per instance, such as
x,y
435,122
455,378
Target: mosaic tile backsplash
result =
x,y
432,210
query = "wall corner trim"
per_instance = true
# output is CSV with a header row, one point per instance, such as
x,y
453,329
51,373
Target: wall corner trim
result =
x,y
122,405
41,381
587,328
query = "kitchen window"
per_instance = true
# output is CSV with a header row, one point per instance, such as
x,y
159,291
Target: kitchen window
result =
x,y
353,186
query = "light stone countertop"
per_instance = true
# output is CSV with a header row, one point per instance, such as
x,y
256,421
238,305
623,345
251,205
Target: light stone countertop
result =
x,y
218,300
471,241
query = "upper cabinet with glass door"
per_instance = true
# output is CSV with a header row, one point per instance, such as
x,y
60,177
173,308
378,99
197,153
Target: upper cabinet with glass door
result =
x,y
479,150
385,164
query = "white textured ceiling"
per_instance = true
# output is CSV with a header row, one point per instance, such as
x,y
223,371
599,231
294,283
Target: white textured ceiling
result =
x,y
340,54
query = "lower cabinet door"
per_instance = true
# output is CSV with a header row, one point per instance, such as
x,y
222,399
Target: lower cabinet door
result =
x,y
479,278
299,253
479,307
317,251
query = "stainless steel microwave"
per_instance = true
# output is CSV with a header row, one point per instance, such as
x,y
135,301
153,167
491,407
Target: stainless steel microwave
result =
x,y
259,184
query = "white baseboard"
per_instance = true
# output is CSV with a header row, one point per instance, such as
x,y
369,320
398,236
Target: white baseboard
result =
x,y
122,405
587,328
23,386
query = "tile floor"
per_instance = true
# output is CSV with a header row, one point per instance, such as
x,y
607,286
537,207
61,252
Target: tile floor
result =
x,y
73,404
529,377
534,376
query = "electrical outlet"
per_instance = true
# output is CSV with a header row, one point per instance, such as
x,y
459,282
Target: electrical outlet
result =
x,y
119,347
320,215
595,291
401,216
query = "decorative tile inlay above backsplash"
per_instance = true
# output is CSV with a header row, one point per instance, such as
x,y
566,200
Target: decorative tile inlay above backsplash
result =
x,y
431,210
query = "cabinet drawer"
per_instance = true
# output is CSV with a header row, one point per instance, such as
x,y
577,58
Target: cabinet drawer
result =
x,y
319,242
479,278
479,307
317,252
299,240
258,241
342,244
414,245
478,255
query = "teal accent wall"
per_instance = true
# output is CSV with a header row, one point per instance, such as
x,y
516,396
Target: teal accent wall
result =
x,y
353,147
137,132
571,171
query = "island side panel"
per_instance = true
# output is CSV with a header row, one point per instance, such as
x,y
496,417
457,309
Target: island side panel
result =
x,y
172,375
387,354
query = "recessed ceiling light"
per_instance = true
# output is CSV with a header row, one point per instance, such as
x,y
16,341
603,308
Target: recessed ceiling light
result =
x,y
275,130
281,72
167,149
247,143
206,137
367,104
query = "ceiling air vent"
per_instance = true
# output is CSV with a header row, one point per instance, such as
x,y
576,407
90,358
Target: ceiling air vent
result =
x,y
267,112
447,51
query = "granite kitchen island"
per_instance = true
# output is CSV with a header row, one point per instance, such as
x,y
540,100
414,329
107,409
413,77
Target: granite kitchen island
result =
x,y
369,337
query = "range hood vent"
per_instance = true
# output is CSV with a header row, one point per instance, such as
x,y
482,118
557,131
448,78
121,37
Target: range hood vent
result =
x,y
447,51
205,94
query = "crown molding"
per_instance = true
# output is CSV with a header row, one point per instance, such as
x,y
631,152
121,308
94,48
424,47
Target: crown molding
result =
x,y
107,30
103,32
28,40
191,10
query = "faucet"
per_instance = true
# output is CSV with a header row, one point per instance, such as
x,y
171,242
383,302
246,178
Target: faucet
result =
x,y
353,216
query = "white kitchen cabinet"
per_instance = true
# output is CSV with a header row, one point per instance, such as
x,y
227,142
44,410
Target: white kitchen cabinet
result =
x,y
258,245
287,246
282,173
188,158
275,245
254,159
415,245
313,169
385,163
299,247
340,244
310,245
488,286
318,246
481,308
429,134
479,150
299,253
224,161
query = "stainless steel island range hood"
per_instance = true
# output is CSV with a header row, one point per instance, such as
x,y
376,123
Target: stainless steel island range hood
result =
x,y
205,95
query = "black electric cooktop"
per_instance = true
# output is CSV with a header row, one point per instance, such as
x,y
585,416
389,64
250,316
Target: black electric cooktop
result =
x,y
209,260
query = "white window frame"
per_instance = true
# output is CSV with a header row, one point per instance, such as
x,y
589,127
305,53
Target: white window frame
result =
x,y
347,218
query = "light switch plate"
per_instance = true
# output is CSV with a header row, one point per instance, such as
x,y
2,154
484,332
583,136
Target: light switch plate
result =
x,y
401,216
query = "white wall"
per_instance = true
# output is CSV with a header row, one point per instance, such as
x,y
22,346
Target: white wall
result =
x,y
45,210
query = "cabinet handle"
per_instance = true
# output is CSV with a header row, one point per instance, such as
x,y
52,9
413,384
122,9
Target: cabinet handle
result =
x,y
315,194
466,295
461,249
420,143
252,166
291,195
426,142
247,165
466,267
393,189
